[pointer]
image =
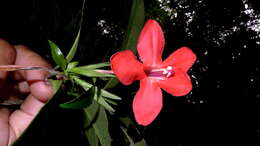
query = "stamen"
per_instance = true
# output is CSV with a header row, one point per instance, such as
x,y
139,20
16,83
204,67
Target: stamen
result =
x,y
168,74
169,68
161,73
158,69
165,71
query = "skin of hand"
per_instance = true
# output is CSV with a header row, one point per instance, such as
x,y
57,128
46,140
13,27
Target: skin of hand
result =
x,y
31,85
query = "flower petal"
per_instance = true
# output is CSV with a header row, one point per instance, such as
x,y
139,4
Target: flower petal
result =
x,y
150,44
126,67
177,85
182,58
147,103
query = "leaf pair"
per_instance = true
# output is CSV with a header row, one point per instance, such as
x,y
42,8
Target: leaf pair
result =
x,y
58,56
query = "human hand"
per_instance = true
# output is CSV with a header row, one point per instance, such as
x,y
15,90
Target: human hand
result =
x,y
30,85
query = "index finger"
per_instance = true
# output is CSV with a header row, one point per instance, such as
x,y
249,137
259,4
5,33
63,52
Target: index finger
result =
x,y
7,56
37,79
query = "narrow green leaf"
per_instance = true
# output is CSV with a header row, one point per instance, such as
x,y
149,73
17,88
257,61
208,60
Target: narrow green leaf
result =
x,y
95,66
91,136
110,101
93,111
111,83
72,65
85,85
89,72
74,47
100,124
103,102
94,80
81,101
55,85
98,97
135,25
141,143
73,94
124,129
109,95
57,55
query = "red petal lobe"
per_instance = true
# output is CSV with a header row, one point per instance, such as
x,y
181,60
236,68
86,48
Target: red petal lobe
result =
x,y
183,58
147,103
177,85
150,44
126,67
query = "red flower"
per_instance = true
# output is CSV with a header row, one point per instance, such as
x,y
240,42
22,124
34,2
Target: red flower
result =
x,y
153,73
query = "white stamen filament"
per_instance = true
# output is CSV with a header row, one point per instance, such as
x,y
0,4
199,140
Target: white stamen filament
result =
x,y
161,72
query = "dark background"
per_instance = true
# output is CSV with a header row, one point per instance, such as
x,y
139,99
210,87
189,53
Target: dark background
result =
x,y
225,35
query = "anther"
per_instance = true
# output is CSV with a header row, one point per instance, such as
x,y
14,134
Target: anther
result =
x,y
165,71
169,68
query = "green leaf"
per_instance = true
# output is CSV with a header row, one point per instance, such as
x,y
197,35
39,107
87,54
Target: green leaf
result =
x,y
135,25
111,83
98,96
100,99
85,85
110,101
89,72
127,136
99,124
95,66
81,101
55,85
72,65
141,143
93,111
109,95
74,47
103,102
57,55
91,136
